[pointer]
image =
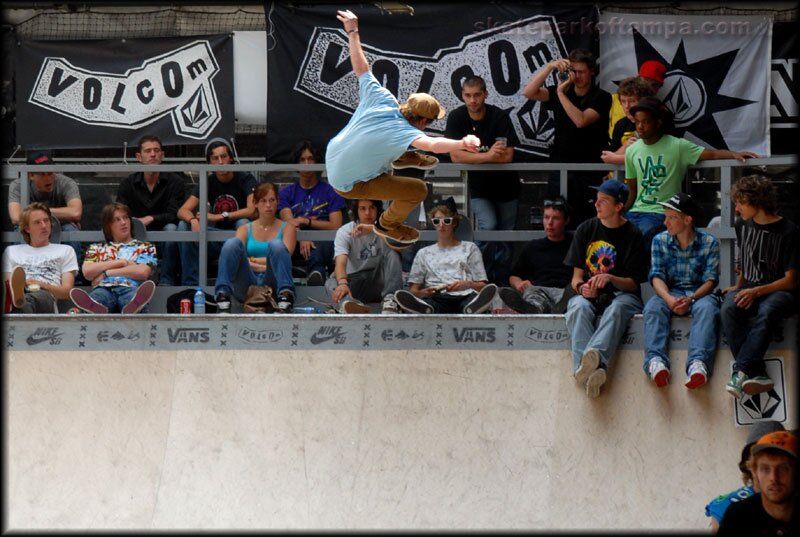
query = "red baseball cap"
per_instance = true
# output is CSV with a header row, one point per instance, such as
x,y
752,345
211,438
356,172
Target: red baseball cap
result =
x,y
654,70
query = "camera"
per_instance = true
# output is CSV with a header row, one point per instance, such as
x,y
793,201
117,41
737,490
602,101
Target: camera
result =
x,y
563,75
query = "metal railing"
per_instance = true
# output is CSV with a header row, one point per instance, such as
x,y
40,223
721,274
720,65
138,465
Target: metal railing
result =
x,y
725,232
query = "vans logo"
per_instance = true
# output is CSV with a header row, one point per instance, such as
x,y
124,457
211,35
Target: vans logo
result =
x,y
188,335
474,335
177,83
259,336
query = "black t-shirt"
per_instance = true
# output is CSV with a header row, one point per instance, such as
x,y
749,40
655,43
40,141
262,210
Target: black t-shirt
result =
x,y
619,251
493,185
542,262
228,197
623,129
748,517
766,252
571,144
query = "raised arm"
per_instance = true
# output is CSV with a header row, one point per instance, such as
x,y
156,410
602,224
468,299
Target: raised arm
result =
x,y
357,57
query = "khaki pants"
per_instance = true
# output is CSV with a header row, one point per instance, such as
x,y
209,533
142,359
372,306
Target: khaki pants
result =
x,y
405,193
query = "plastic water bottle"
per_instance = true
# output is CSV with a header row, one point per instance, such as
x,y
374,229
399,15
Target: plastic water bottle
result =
x,y
199,301
306,309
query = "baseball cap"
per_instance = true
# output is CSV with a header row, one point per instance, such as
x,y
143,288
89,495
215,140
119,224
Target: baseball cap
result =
x,y
760,428
39,157
780,440
683,203
425,105
654,70
649,104
616,189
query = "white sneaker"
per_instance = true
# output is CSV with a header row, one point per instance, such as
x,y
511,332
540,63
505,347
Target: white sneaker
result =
x,y
595,381
389,306
590,361
658,372
697,375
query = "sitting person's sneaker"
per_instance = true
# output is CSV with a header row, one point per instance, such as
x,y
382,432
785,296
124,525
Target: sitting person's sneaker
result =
x,y
595,381
141,298
514,300
757,384
659,373
415,159
590,361
85,302
482,301
315,279
285,302
17,287
223,301
410,303
697,375
734,386
351,305
398,238
389,306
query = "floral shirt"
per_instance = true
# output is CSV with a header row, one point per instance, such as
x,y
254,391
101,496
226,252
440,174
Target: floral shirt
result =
x,y
139,252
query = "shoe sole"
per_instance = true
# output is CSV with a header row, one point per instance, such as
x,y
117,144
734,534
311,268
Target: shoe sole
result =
x,y
393,241
17,286
141,298
417,166
595,382
696,380
590,361
85,302
481,303
355,307
753,387
514,300
662,378
315,279
412,305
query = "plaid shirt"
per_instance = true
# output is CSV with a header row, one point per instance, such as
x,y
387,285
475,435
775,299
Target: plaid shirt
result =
x,y
685,270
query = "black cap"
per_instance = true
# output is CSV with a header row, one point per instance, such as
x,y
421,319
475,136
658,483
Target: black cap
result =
x,y
683,203
39,157
649,104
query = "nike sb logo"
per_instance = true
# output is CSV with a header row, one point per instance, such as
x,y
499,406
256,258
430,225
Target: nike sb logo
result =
x,y
53,335
327,333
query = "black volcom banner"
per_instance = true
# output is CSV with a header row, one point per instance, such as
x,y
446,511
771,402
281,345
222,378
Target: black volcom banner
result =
x,y
312,90
785,89
102,93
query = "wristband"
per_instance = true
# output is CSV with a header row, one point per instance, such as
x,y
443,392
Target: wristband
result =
x,y
342,282
353,31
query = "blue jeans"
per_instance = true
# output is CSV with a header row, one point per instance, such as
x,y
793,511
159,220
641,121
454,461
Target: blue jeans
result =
x,y
115,298
320,258
702,334
497,256
749,345
235,275
190,253
581,317
168,274
649,224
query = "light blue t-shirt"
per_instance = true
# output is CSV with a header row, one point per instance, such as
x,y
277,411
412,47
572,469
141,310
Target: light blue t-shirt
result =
x,y
376,135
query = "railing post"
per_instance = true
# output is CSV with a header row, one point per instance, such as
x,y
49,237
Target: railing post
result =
x,y
727,252
203,246
563,182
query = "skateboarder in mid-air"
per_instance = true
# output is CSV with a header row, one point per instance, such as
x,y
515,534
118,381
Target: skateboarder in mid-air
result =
x,y
361,156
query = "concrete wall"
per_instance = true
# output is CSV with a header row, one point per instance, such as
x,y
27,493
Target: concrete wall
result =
x,y
344,439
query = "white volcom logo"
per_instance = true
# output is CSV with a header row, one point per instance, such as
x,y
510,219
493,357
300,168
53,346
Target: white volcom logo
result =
x,y
176,83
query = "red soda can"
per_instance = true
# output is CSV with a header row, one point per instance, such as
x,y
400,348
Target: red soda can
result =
x,y
186,306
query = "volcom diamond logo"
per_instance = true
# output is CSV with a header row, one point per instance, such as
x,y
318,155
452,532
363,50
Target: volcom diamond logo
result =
x,y
762,405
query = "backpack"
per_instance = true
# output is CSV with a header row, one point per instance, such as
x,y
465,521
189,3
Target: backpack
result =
x,y
174,301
